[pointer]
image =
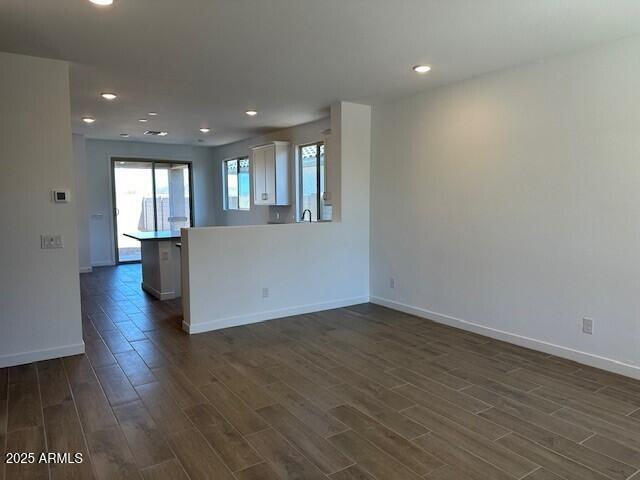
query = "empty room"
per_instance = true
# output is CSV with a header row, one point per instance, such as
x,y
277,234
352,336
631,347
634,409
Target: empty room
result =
x,y
320,239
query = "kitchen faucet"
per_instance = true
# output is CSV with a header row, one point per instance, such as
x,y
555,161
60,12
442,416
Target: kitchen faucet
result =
x,y
305,212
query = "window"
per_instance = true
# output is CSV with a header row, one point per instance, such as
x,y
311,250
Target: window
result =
x,y
237,185
312,182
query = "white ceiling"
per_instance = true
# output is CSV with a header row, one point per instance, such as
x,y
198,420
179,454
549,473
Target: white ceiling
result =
x,y
204,62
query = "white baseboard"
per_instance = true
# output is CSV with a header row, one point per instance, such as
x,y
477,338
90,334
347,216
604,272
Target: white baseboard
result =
x,y
39,355
103,263
219,323
585,358
158,294
86,269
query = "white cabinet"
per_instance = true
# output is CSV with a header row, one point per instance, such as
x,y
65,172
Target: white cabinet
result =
x,y
270,165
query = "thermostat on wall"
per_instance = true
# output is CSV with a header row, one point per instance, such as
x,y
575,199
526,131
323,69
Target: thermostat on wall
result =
x,y
60,196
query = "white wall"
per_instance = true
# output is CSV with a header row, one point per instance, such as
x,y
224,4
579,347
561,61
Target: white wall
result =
x,y
512,202
306,267
99,186
80,200
39,289
261,214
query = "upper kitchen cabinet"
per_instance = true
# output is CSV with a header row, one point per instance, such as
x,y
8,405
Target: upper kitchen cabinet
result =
x,y
271,173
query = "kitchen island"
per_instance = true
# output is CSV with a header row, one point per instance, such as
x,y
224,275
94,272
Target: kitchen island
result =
x,y
160,263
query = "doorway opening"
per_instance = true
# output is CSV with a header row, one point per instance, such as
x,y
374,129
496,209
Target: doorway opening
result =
x,y
149,195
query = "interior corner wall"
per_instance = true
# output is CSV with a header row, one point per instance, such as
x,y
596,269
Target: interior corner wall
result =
x,y
509,205
39,289
304,267
80,200
99,153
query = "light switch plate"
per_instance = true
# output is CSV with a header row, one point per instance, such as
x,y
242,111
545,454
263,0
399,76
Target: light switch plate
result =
x,y
50,242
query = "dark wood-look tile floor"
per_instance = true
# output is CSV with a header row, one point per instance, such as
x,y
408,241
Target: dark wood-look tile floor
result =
x,y
357,393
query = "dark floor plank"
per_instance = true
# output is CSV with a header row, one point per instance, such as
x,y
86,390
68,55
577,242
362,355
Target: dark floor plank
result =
x,y
195,366
460,399
26,440
197,457
542,474
548,459
64,435
390,418
116,385
145,439
354,472
25,409
130,331
243,418
448,473
370,458
478,445
163,408
170,470
261,471
252,365
601,427
452,454
251,393
153,357
320,422
3,444
230,445
79,370
614,449
178,385
99,354
54,386
322,397
309,443
282,458
430,402
203,415
543,420
4,396
110,454
560,392
134,368
492,394
393,444
384,395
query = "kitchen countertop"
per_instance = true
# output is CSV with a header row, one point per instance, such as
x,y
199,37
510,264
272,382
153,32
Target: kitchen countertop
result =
x,y
157,235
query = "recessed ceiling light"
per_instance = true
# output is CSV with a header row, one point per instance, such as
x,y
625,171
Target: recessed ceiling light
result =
x,y
109,96
205,130
421,68
124,135
152,114
251,113
88,120
102,3
143,120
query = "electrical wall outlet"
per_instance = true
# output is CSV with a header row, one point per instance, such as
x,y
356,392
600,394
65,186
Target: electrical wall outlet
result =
x,y
50,242
265,293
392,282
587,326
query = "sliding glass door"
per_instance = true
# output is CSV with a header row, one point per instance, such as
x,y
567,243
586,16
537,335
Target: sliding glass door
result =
x,y
148,195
